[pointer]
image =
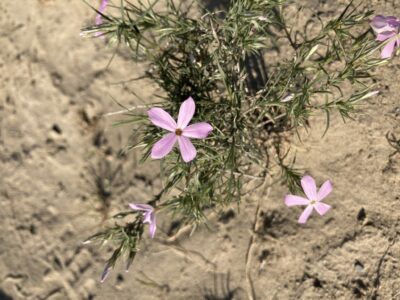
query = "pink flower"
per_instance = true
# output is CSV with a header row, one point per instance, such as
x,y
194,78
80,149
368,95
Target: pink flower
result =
x,y
313,200
99,21
179,131
102,8
149,216
387,28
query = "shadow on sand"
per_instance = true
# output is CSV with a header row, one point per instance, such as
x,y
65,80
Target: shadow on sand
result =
x,y
3,296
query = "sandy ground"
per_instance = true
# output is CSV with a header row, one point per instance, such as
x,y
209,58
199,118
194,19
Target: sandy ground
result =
x,y
61,175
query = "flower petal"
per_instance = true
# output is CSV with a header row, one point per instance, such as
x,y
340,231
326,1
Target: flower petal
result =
x,y
102,8
143,207
387,51
188,151
383,36
393,22
378,22
305,214
153,225
324,190
147,217
161,118
292,200
186,112
197,131
381,24
322,208
163,146
309,187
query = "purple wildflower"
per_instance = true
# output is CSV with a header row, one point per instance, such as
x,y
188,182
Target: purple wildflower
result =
x,y
102,8
179,131
387,28
313,200
149,216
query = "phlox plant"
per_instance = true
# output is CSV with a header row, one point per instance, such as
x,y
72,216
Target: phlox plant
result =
x,y
221,121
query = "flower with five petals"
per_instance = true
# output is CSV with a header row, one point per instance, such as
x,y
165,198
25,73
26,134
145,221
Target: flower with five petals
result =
x,y
179,131
313,200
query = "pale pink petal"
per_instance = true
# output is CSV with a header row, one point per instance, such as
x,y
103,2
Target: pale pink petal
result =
x,y
292,200
186,112
153,225
197,131
378,22
102,8
325,190
142,207
147,217
161,118
188,151
322,208
386,28
305,214
163,146
309,187
387,51
381,24
383,36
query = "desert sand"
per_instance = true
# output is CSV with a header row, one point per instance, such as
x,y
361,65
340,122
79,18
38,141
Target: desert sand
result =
x,y
62,175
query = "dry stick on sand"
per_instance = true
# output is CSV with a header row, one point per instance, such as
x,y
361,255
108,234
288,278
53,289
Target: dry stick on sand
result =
x,y
126,110
194,256
377,281
249,254
186,230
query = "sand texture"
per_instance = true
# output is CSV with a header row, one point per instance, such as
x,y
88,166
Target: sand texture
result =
x,y
61,176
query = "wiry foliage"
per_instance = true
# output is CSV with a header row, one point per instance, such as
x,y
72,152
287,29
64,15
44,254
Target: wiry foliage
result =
x,y
206,57
125,236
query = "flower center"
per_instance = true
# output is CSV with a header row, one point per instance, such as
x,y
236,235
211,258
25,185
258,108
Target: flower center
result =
x,y
178,132
313,202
